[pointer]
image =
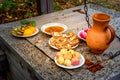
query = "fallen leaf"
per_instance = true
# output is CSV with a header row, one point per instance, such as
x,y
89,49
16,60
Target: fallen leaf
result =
x,y
98,58
39,41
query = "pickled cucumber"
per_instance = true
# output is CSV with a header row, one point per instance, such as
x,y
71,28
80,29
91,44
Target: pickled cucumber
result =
x,y
19,30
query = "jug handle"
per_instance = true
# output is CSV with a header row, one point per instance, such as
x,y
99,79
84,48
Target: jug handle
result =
x,y
112,33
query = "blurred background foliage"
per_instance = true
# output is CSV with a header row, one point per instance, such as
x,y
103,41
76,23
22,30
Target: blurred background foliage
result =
x,y
12,10
65,4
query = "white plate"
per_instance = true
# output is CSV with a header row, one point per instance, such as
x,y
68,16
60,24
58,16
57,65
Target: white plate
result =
x,y
80,36
82,61
37,30
52,24
57,48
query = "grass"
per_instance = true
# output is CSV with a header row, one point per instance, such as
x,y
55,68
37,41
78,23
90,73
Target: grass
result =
x,y
65,4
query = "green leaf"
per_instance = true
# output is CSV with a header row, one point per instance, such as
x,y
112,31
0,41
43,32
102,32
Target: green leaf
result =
x,y
24,22
28,15
56,7
106,4
7,4
31,0
32,23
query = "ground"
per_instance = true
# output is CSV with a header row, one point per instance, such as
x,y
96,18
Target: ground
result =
x,y
13,10
64,4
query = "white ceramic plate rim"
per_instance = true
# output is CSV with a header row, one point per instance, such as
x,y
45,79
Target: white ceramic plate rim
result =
x,y
37,30
80,36
53,24
57,48
82,61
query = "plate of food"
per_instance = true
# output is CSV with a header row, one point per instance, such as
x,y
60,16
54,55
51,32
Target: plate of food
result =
x,y
59,41
23,31
69,59
82,34
49,28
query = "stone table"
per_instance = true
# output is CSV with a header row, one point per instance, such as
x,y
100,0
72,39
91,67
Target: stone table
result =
x,y
33,59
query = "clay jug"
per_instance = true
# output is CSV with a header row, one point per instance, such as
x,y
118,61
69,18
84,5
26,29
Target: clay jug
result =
x,y
101,34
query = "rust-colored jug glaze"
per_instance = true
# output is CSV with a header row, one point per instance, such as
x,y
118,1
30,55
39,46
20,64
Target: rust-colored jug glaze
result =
x,y
101,34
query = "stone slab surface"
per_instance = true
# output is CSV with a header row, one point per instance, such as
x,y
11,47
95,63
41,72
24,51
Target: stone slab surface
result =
x,y
22,49
116,24
113,13
35,54
75,26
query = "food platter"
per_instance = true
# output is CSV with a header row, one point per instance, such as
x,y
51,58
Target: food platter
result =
x,y
83,33
82,61
67,41
37,30
45,26
58,48
80,36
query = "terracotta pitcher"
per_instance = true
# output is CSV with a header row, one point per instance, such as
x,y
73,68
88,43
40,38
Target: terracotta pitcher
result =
x,y
101,33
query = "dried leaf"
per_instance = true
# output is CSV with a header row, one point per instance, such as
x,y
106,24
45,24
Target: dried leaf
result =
x,y
98,58
39,41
